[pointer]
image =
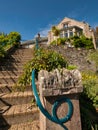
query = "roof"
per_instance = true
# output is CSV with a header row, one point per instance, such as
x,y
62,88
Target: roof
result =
x,y
71,27
69,19
42,39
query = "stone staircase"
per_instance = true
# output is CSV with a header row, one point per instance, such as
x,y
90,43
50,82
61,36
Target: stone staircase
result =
x,y
17,112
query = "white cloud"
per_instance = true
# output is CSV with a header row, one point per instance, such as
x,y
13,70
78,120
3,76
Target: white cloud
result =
x,y
44,31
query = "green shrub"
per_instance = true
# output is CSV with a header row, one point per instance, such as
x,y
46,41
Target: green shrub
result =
x,y
82,42
3,40
90,83
59,41
2,51
55,31
14,38
78,43
71,67
43,59
88,114
53,42
7,41
89,101
94,57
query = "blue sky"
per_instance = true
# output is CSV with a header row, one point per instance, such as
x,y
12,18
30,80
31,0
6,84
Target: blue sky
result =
x,y
29,17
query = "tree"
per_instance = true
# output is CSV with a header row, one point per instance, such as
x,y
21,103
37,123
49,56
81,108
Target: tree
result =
x,y
55,31
3,39
14,37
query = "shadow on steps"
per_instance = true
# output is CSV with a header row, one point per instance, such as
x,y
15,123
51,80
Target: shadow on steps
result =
x,y
3,124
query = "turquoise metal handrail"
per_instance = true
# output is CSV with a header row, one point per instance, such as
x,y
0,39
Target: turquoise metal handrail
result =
x,y
37,47
53,117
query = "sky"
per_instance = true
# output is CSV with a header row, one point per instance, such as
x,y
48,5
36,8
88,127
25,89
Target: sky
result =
x,y
30,17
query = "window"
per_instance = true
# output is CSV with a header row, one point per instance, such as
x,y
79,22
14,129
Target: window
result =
x,y
65,25
61,34
70,34
66,34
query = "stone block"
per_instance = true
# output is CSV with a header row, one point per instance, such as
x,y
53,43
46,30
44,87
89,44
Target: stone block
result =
x,y
56,85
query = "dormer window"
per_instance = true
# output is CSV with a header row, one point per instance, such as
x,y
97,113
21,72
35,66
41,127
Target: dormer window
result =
x,y
65,25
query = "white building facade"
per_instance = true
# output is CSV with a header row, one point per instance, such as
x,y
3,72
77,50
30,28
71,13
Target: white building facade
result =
x,y
69,27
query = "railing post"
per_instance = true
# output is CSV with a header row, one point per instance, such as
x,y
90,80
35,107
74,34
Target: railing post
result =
x,y
59,95
37,47
37,41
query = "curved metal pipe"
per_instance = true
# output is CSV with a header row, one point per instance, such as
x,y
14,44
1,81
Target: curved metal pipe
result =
x,y
53,117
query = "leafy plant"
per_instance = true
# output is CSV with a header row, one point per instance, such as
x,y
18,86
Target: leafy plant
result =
x,y
54,42
82,42
59,41
55,31
88,114
2,51
94,57
14,38
3,40
71,67
7,41
90,83
43,59
89,101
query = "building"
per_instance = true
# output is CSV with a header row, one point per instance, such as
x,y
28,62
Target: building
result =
x,y
96,36
69,27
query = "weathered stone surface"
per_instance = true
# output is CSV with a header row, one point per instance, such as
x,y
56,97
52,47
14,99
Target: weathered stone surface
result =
x,y
54,85
16,107
75,56
59,82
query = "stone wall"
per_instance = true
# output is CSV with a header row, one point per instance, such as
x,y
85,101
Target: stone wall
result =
x,y
75,56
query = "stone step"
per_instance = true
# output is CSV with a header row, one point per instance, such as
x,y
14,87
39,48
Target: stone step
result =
x,y
17,57
10,73
15,60
8,88
23,126
16,98
9,79
11,68
29,52
19,114
24,51
21,56
26,126
8,76
14,63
